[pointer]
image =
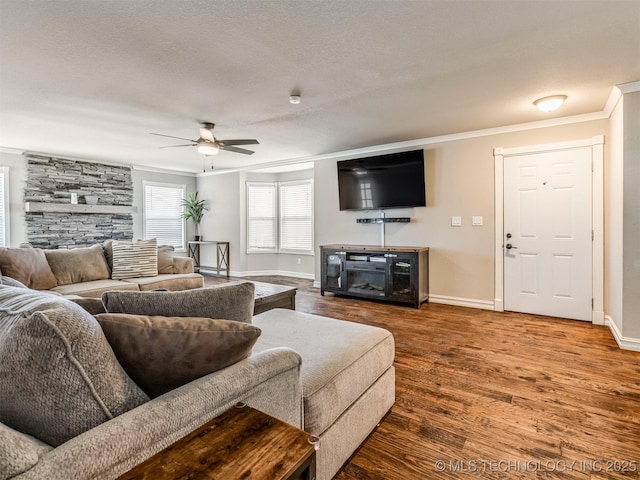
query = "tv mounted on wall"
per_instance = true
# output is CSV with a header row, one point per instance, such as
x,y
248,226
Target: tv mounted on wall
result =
x,y
395,180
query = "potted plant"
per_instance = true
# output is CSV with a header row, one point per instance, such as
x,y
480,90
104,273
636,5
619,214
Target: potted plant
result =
x,y
194,210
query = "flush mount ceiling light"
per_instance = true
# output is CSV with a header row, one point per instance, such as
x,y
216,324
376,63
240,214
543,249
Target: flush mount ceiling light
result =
x,y
207,148
549,104
294,99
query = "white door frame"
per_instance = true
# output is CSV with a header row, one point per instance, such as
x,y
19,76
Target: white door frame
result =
x,y
597,185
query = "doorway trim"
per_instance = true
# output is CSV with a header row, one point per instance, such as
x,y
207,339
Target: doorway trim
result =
x,y
500,155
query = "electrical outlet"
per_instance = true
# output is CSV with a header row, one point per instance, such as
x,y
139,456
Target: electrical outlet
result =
x,y
299,261
456,221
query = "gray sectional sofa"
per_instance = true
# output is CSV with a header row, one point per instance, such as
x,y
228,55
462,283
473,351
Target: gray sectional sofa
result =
x,y
89,271
332,378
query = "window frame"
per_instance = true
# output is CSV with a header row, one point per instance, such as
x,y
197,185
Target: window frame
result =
x,y
295,251
5,238
177,186
250,248
278,219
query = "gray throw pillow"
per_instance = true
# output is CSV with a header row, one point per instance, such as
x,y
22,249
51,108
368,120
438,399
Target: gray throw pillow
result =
x,y
231,302
163,353
58,375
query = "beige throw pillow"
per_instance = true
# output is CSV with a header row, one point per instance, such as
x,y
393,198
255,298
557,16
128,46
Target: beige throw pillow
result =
x,y
28,266
162,353
58,375
134,260
77,265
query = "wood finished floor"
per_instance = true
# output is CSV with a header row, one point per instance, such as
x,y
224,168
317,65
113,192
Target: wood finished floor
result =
x,y
494,395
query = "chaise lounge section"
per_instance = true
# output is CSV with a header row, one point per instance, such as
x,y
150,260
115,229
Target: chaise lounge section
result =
x,y
332,378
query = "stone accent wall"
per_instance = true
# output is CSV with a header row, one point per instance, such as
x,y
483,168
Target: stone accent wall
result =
x,y
53,180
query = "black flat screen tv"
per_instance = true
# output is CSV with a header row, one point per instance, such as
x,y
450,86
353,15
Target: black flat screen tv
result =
x,y
395,180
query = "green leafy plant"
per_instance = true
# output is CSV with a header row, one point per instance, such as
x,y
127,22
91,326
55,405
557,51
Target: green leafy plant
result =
x,y
194,210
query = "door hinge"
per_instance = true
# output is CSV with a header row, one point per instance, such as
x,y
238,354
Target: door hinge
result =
x,y
592,304
592,235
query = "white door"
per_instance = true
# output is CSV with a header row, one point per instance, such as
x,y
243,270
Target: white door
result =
x,y
548,233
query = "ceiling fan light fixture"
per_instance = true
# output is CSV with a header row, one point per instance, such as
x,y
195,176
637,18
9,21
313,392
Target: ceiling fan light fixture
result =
x,y
207,148
549,104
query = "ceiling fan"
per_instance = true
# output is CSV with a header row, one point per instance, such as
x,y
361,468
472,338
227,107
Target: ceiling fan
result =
x,y
209,145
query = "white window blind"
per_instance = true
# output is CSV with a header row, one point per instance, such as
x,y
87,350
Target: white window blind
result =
x,y
296,216
163,213
261,217
4,206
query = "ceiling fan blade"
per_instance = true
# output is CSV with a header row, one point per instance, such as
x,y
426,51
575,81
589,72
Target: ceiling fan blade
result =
x,y
245,141
236,150
170,136
206,134
185,145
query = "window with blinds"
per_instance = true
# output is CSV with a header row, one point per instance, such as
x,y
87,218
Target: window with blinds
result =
x,y
296,217
261,217
4,207
163,214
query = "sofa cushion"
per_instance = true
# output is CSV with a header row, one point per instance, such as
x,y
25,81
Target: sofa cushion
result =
x,y
19,452
131,260
77,265
162,353
95,288
230,301
29,266
175,282
165,259
340,360
58,375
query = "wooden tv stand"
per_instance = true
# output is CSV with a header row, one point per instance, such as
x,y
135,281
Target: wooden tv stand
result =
x,y
394,274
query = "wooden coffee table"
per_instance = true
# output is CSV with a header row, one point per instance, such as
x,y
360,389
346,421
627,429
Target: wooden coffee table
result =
x,y
269,295
242,443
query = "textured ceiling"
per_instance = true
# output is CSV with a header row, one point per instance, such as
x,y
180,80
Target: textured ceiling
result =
x,y
92,79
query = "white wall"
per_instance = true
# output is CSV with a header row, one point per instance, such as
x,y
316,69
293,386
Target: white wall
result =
x,y
226,221
631,218
17,179
138,177
613,216
460,182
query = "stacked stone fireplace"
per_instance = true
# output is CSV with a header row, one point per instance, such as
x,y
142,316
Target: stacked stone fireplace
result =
x,y
54,221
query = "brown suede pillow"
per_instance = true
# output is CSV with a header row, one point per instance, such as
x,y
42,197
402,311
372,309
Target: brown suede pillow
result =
x,y
162,353
29,266
165,259
77,265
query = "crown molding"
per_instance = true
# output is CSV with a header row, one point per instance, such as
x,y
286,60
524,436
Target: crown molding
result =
x,y
630,87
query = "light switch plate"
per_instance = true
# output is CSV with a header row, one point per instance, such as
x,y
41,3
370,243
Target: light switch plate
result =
x,y
456,221
74,198
476,221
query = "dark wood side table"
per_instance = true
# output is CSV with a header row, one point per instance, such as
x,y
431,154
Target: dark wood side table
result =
x,y
242,443
222,255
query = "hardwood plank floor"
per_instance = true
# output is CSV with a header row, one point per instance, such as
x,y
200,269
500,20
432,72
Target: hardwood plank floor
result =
x,y
494,395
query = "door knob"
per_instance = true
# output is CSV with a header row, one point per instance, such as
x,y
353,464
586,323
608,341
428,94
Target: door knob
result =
x,y
508,246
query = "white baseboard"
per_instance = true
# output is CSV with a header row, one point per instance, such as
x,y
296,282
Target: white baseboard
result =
x,y
625,343
264,273
462,302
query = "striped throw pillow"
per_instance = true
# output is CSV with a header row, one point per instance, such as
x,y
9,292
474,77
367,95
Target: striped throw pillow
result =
x,y
134,260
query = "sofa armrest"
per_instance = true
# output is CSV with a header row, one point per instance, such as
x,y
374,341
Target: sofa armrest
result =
x,y
269,381
183,265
